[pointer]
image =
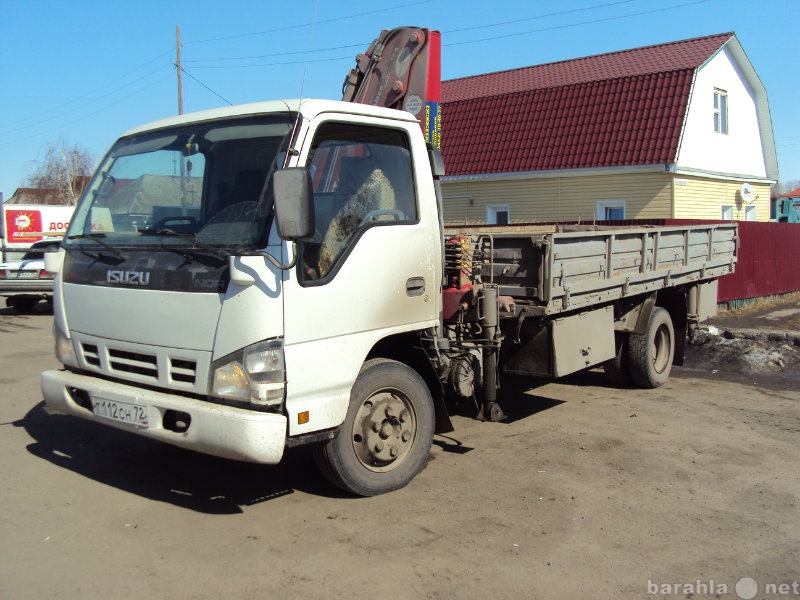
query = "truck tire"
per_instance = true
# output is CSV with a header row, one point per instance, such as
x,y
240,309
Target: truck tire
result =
x,y
386,436
618,369
650,354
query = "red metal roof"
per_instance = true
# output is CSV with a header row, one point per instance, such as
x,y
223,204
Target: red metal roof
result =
x,y
792,194
619,109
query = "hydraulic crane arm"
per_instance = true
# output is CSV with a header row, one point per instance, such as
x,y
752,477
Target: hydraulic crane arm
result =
x,y
401,69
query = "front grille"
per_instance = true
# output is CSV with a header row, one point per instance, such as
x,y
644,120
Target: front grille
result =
x,y
91,355
148,364
183,370
133,362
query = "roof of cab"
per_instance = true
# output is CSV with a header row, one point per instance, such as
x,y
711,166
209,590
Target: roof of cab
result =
x,y
310,108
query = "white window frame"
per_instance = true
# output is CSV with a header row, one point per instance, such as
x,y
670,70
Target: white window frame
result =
x,y
604,205
494,210
750,213
720,111
727,211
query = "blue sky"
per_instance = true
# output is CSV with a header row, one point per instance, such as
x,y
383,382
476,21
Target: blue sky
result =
x,y
86,71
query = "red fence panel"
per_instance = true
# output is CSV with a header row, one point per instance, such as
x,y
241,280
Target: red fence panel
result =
x,y
768,264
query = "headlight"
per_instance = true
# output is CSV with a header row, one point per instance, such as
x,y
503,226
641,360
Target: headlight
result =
x,y
65,352
255,374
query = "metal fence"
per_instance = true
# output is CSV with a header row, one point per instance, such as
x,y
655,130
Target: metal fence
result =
x,y
768,264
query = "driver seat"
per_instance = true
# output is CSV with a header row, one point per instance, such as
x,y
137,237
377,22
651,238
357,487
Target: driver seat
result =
x,y
369,190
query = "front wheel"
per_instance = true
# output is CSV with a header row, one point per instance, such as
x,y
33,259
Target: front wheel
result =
x,y
386,436
650,354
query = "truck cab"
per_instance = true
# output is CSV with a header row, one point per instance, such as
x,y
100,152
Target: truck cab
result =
x,y
181,313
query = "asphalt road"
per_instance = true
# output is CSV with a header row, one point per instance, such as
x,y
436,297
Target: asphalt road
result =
x,y
587,492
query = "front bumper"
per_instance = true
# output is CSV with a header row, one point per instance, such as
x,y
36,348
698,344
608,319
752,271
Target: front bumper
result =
x,y
214,429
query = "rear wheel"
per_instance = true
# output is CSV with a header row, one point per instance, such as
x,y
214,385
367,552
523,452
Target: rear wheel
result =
x,y
386,437
650,354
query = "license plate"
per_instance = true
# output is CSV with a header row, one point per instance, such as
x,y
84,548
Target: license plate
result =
x,y
25,275
122,412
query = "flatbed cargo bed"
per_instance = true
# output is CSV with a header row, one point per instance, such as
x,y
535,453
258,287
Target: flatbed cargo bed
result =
x,y
549,269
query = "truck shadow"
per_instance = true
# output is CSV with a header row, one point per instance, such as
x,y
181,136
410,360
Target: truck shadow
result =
x,y
166,473
212,485
40,308
517,397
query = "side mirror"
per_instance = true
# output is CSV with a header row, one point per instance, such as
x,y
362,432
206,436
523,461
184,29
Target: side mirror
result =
x,y
437,162
53,261
294,203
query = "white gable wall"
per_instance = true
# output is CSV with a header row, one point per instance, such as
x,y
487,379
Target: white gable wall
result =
x,y
738,152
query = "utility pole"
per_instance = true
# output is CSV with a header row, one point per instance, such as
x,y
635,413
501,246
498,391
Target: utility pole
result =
x,y
179,68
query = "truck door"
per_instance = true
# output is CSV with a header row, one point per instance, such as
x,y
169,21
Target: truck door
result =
x,y
368,272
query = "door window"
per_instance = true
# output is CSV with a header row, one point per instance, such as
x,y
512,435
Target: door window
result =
x,y
362,178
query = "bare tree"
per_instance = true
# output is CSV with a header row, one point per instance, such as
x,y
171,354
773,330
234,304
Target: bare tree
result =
x,y
783,187
65,169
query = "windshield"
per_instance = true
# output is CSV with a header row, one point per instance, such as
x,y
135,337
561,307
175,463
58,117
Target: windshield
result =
x,y
202,185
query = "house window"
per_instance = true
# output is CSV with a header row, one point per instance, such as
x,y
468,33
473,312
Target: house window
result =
x,y
727,212
497,214
611,210
721,111
749,213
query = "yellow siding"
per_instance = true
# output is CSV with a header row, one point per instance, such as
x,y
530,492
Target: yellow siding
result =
x,y
646,195
702,198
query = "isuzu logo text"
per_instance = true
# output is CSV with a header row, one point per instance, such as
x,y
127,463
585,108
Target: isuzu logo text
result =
x,y
128,277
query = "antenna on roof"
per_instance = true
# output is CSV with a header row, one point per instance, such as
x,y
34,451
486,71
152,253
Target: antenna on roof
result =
x,y
293,151
308,48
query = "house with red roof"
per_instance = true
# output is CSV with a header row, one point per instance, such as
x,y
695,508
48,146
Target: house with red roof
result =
x,y
675,130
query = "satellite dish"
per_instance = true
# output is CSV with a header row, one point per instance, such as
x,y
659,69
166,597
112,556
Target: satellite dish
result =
x,y
746,191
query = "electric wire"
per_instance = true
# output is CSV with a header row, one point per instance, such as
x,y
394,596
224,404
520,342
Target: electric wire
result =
x,y
579,24
92,113
85,99
304,25
218,95
200,63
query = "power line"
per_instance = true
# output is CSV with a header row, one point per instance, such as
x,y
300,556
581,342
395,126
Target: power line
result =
x,y
304,25
537,17
94,112
275,54
92,97
197,62
183,70
570,25
276,64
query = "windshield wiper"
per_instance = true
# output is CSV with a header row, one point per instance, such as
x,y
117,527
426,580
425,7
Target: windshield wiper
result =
x,y
187,236
96,237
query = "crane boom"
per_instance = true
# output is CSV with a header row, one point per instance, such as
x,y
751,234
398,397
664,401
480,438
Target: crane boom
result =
x,y
401,69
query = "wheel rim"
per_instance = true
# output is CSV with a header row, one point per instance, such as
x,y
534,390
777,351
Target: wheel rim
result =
x,y
384,430
661,346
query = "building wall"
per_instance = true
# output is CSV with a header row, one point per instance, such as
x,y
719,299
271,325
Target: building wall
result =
x,y
574,198
739,151
703,198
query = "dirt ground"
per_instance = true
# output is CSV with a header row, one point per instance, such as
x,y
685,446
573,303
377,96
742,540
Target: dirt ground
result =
x,y
588,491
762,337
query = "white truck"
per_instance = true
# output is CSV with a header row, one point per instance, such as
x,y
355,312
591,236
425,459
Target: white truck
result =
x,y
246,280
23,224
